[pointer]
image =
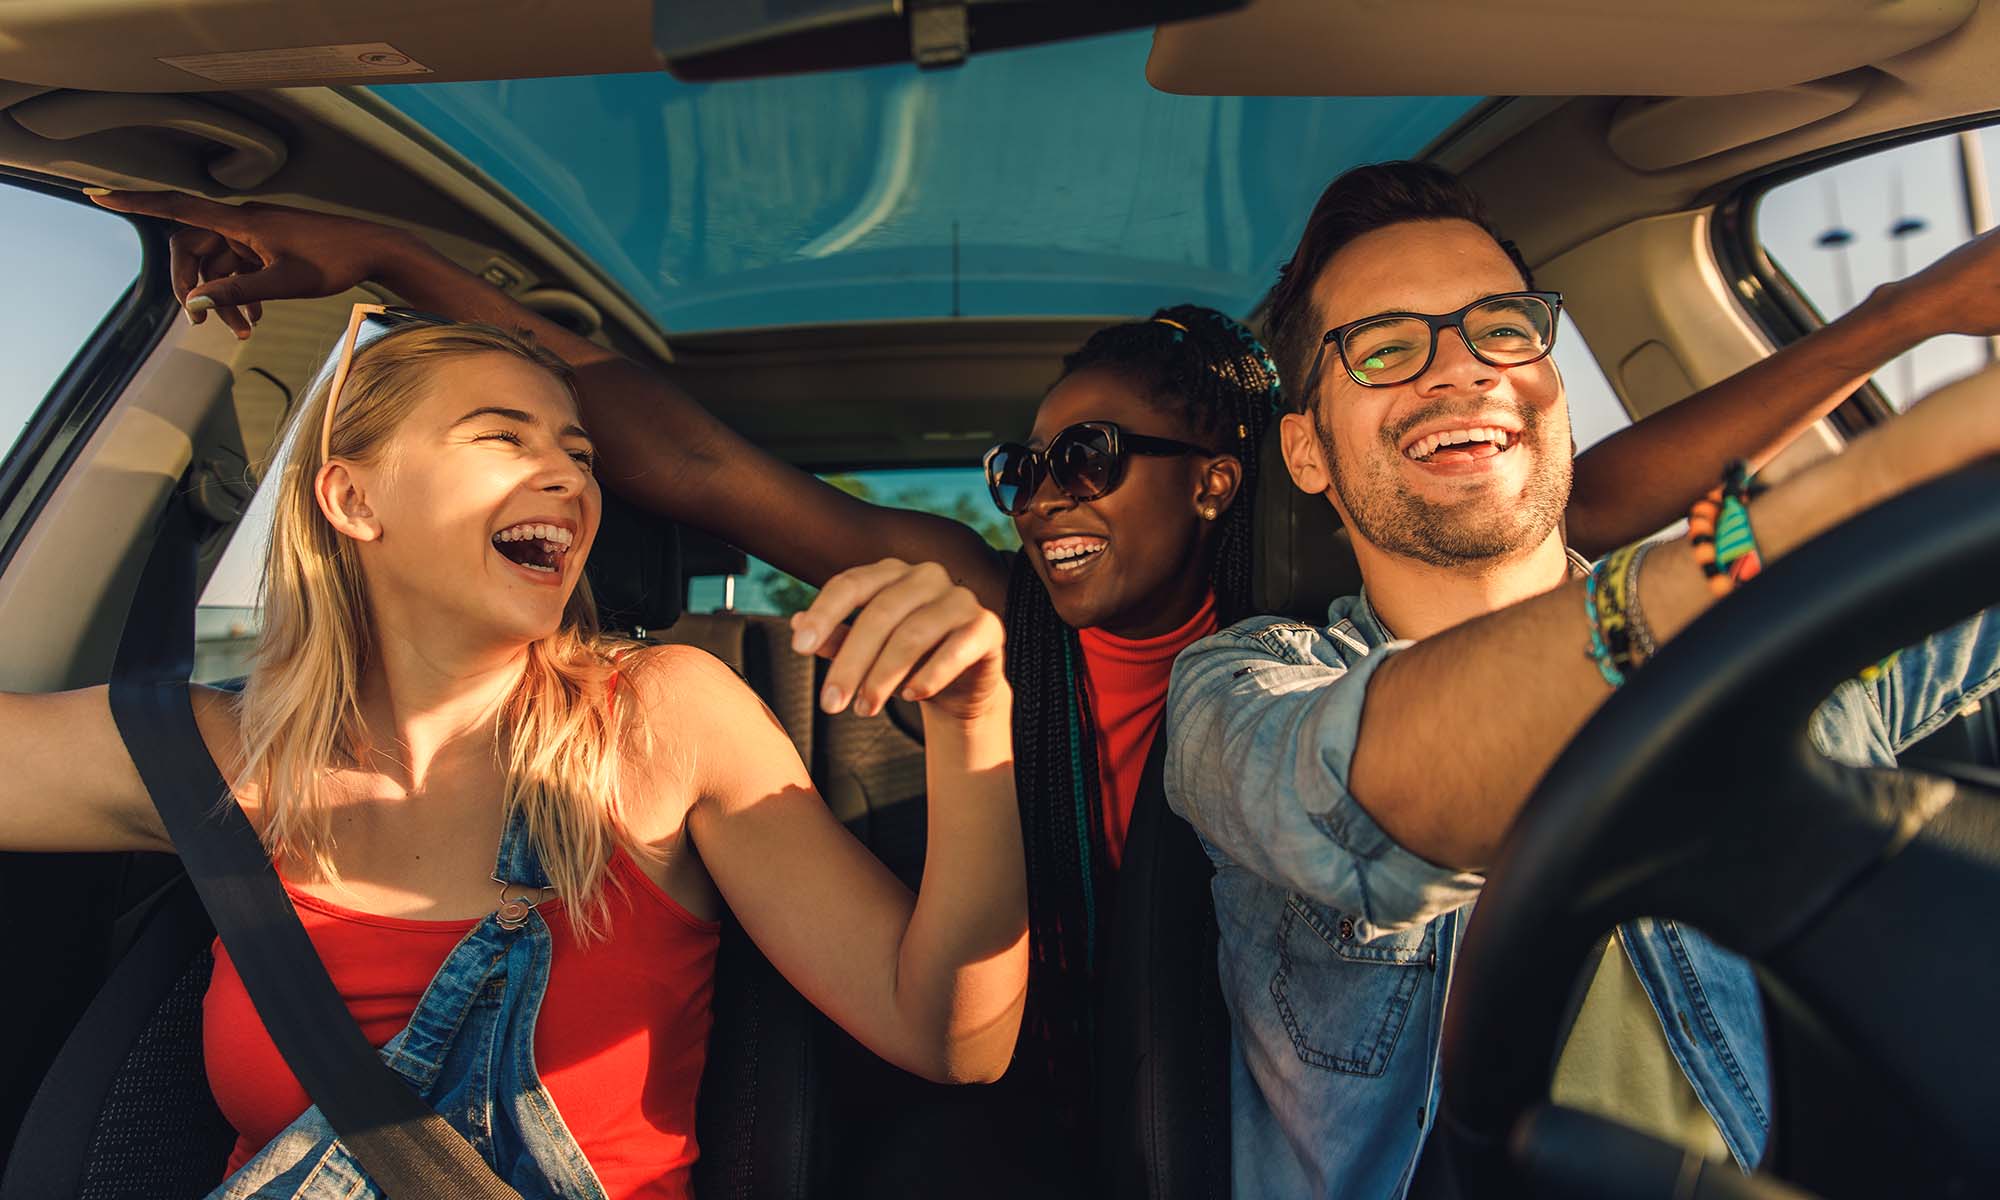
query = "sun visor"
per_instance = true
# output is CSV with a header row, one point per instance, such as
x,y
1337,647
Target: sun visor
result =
x,y
1538,47
1651,134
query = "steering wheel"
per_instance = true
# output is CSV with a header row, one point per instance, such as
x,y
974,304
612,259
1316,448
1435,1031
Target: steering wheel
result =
x,y
1865,899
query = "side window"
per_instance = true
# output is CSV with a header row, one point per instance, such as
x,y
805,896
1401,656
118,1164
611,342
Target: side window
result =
x,y
226,619
1841,232
70,263
1595,412
955,492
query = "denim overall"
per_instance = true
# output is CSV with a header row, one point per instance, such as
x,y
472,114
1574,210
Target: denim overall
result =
x,y
469,1052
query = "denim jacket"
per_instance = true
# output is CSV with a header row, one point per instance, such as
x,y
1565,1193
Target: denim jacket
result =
x,y
1337,943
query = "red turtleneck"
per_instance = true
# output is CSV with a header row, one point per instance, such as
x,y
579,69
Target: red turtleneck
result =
x,y
1126,680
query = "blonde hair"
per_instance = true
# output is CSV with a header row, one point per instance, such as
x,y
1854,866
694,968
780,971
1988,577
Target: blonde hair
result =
x,y
560,738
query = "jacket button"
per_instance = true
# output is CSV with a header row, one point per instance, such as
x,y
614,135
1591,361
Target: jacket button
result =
x,y
1346,929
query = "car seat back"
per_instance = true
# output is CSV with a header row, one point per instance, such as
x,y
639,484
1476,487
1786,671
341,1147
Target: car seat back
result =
x,y
124,1112
791,1104
1303,559
1163,1053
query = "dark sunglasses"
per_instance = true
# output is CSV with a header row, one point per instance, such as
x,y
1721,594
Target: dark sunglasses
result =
x,y
1086,461
1511,329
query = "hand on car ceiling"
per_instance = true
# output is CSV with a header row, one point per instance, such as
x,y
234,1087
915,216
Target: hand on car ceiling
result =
x,y
232,257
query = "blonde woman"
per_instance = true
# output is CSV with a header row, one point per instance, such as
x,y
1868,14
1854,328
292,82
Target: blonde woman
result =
x,y
432,708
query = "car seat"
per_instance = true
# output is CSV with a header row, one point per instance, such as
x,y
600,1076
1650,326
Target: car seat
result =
x,y
839,1100
1302,560
791,1105
124,1111
761,1115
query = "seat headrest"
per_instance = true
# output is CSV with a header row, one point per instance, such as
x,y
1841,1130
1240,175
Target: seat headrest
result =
x,y
1303,560
705,554
635,569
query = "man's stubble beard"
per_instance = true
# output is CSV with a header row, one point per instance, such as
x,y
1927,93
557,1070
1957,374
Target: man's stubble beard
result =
x,y
1388,515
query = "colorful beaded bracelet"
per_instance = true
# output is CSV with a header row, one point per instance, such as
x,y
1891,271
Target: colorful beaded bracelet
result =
x,y
1724,543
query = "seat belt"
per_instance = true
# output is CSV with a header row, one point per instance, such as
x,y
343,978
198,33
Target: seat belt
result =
x,y
1164,1057
406,1148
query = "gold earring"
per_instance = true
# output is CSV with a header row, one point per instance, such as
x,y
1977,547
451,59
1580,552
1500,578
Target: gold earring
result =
x,y
1208,512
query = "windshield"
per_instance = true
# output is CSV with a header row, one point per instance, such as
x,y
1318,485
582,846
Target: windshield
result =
x,y
1051,181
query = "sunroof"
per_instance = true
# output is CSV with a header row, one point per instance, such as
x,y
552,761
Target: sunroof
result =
x,y
1045,182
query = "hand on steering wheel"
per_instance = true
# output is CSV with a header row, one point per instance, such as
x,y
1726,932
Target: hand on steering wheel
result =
x,y
1865,898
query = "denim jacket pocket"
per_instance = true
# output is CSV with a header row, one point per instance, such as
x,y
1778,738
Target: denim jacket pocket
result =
x,y
1343,1000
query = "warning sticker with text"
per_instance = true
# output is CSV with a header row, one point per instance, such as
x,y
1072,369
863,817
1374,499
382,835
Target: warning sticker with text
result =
x,y
296,63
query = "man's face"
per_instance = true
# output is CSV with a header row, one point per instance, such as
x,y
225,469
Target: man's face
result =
x,y
1474,505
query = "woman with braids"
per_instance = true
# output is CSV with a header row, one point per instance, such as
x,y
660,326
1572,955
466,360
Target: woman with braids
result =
x,y
1132,499
1131,494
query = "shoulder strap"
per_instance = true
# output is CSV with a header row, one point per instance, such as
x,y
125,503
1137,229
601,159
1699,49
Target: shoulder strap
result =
x,y
404,1146
1164,1094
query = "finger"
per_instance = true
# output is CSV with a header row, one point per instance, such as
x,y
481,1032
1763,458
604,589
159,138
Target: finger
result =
x,y
235,260
864,643
219,267
908,644
253,310
842,594
831,645
871,631
281,280
224,262
186,249
964,649
173,206
234,318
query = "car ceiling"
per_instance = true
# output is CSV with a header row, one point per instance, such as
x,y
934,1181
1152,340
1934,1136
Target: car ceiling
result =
x,y
1556,165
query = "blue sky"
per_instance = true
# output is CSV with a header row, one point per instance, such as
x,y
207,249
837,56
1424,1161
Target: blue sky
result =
x,y
66,264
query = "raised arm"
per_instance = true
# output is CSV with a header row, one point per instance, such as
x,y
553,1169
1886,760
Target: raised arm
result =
x,y
69,783
1458,728
933,983
1643,478
657,446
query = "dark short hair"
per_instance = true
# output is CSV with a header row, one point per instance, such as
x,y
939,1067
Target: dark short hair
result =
x,y
1361,200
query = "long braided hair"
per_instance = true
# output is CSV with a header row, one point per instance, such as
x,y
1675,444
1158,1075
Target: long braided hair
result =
x,y
1199,363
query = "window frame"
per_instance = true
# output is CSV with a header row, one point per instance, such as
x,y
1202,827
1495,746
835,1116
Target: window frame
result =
x,y
89,387
1759,283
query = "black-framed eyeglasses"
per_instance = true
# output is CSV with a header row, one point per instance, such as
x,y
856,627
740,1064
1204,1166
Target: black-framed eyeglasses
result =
x,y
1086,461
1511,329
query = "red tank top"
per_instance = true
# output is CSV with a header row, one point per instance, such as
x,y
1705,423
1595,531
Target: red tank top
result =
x,y
619,1042
1127,682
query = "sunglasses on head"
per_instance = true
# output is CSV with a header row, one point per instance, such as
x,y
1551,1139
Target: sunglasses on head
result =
x,y
375,320
1086,461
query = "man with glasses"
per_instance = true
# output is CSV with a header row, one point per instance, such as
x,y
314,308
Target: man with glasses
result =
x,y
1350,780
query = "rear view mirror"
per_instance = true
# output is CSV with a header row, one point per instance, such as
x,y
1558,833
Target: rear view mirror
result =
x,y
746,38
